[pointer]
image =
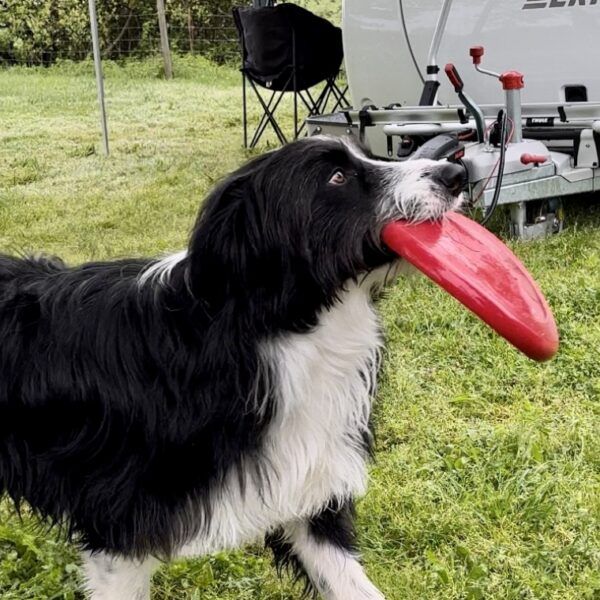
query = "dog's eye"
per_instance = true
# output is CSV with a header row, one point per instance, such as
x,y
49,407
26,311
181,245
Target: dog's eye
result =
x,y
338,178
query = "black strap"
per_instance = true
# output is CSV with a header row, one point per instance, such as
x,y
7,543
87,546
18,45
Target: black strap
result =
x,y
597,143
364,120
429,93
562,114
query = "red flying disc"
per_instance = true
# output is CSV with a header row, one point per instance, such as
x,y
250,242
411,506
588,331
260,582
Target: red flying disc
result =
x,y
482,273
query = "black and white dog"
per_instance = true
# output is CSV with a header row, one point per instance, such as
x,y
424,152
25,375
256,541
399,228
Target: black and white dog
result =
x,y
193,404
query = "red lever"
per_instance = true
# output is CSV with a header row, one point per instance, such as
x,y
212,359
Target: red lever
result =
x,y
476,52
454,77
536,159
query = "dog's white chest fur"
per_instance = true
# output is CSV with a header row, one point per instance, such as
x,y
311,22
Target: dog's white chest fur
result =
x,y
313,448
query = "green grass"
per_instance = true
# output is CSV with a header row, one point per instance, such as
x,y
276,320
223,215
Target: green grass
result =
x,y
487,477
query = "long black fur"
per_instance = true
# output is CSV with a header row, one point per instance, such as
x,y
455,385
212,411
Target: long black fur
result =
x,y
123,403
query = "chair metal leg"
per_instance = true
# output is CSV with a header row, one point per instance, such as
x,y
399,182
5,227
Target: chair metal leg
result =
x,y
309,102
323,100
244,110
311,106
295,83
264,121
268,117
315,105
296,94
340,95
269,114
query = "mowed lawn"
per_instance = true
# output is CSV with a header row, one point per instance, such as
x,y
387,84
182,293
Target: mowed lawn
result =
x,y
486,482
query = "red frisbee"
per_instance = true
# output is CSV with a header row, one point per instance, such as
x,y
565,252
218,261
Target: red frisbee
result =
x,y
481,272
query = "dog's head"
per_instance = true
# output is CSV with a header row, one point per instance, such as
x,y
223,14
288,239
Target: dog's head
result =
x,y
313,211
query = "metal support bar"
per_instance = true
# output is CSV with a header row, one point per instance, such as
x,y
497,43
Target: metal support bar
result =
x,y
517,219
437,39
244,108
99,76
477,113
513,111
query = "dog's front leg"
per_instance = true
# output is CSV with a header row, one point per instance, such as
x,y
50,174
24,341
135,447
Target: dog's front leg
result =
x,y
323,547
116,578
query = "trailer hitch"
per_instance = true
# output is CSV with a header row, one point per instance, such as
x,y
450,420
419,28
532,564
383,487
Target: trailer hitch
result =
x,y
512,84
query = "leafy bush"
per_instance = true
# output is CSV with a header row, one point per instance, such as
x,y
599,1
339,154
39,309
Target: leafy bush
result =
x,y
329,9
43,31
40,32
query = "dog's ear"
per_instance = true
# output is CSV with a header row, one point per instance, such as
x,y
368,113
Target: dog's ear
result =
x,y
235,244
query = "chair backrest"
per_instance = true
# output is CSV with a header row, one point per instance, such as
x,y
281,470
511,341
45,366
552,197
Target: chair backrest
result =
x,y
276,40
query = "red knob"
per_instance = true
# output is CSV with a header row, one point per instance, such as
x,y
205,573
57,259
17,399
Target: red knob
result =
x,y
476,52
536,159
512,80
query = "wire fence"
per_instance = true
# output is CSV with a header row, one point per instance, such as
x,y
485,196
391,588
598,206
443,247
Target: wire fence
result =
x,y
43,33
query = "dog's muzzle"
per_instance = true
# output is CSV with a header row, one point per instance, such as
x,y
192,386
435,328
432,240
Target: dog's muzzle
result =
x,y
451,176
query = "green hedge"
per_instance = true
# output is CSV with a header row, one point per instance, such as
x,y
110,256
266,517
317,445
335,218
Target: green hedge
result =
x,y
43,31
35,32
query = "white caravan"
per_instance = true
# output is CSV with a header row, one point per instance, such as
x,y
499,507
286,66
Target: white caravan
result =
x,y
526,121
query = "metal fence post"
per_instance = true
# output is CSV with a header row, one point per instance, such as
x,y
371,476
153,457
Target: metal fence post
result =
x,y
99,76
164,38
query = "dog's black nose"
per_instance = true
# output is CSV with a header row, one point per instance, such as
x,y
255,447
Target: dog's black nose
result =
x,y
452,176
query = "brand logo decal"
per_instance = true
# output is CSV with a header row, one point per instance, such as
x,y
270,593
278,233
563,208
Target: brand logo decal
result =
x,y
557,3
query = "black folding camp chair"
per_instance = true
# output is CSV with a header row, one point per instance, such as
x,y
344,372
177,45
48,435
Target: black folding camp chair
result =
x,y
288,49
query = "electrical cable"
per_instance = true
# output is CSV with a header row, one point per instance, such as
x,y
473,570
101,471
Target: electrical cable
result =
x,y
494,204
412,54
484,186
